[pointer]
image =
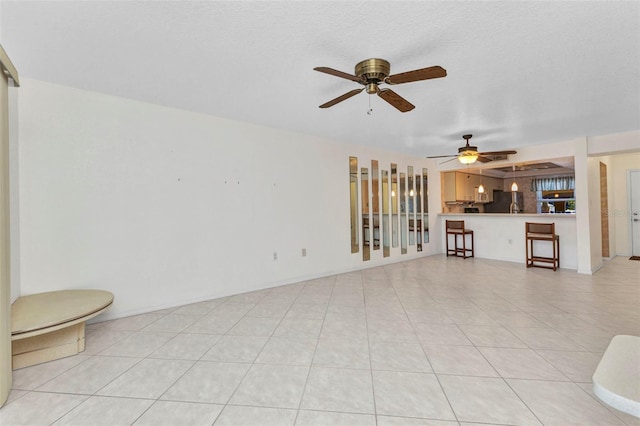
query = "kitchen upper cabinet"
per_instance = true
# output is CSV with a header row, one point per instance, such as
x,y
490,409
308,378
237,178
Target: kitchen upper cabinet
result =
x,y
460,186
449,186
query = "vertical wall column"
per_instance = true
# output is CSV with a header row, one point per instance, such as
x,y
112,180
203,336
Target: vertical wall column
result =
x,y
585,208
9,77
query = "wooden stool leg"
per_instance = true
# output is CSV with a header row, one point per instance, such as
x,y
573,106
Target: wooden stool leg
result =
x,y
455,246
464,246
532,242
447,236
473,254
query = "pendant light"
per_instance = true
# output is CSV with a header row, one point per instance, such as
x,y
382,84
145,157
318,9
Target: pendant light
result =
x,y
481,186
514,208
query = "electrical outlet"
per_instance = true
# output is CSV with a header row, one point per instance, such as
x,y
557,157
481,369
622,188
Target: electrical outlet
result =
x,y
275,255
304,252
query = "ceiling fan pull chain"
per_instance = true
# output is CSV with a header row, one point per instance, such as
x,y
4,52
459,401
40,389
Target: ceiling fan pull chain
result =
x,y
370,110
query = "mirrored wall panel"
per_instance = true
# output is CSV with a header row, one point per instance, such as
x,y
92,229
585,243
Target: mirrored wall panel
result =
x,y
366,230
403,213
375,205
425,206
411,207
353,194
388,209
418,213
386,238
394,204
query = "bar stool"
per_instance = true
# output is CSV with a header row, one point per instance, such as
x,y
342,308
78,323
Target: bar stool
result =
x,y
455,228
542,232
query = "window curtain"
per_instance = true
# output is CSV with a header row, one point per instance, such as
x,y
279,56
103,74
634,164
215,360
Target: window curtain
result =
x,y
558,183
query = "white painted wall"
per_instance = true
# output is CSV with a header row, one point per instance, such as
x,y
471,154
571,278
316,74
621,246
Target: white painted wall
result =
x,y
589,249
501,236
617,143
625,150
621,211
595,219
164,207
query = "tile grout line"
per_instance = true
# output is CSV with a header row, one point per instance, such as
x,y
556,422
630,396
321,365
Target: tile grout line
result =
x,y
425,354
315,349
190,368
226,404
159,398
366,321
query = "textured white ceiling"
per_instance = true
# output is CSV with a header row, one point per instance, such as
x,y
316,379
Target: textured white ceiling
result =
x,y
519,73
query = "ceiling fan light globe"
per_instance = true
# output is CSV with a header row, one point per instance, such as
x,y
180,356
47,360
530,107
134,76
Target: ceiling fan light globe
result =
x,y
467,158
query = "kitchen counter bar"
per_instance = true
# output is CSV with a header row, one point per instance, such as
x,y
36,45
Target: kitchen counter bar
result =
x,y
500,236
540,215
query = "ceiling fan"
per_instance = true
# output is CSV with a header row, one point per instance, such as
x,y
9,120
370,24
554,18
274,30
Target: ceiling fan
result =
x,y
469,154
372,72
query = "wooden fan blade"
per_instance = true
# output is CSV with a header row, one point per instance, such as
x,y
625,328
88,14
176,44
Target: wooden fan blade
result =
x,y
341,98
482,159
443,156
445,162
395,100
498,153
337,73
417,75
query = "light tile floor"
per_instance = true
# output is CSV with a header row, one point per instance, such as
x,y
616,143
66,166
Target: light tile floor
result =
x,y
433,341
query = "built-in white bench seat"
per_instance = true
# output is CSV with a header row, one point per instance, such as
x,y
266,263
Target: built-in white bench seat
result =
x,y
48,326
616,380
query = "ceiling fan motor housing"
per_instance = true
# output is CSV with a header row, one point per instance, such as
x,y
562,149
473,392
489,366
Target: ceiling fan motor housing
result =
x,y
373,71
467,148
